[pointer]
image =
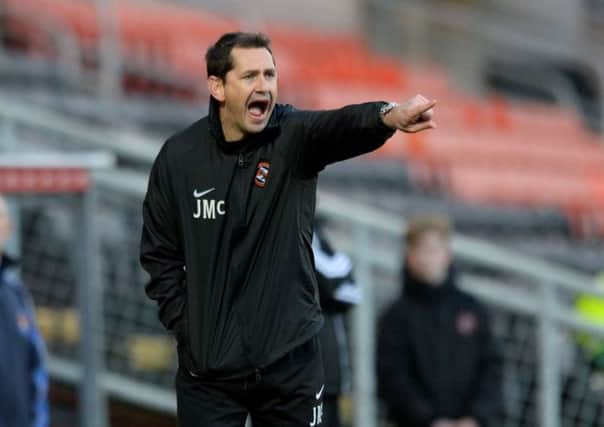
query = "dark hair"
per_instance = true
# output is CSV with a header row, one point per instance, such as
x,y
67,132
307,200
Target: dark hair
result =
x,y
218,56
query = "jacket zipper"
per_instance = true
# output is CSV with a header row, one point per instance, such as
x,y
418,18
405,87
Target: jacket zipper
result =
x,y
241,163
257,372
193,371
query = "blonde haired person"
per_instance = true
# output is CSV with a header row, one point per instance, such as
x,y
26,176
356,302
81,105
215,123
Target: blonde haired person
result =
x,y
438,362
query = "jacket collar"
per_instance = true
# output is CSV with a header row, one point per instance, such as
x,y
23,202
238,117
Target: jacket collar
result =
x,y
248,142
417,289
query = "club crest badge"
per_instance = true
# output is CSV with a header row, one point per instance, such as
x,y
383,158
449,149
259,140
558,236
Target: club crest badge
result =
x,y
466,323
262,172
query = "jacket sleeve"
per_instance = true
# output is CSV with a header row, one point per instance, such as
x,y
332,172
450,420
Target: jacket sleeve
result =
x,y
487,399
401,393
38,375
161,252
39,378
338,291
334,135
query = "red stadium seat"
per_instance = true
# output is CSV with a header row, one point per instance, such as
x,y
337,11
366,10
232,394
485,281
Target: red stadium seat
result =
x,y
517,187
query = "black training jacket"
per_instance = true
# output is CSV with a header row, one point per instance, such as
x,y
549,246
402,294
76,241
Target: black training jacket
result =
x,y
228,229
437,357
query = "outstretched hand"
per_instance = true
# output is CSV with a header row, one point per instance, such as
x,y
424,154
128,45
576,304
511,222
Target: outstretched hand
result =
x,y
412,116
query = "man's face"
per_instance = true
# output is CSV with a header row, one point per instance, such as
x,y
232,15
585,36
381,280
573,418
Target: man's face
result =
x,y
5,225
429,258
248,92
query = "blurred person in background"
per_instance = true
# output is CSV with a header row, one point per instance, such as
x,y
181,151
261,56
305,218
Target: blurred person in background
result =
x,y
338,293
582,383
591,308
23,377
438,363
227,238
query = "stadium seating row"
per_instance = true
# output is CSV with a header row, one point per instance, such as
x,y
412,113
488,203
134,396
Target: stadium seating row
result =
x,y
173,35
487,150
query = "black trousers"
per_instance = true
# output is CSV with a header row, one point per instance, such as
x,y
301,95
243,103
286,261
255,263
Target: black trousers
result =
x,y
331,411
288,392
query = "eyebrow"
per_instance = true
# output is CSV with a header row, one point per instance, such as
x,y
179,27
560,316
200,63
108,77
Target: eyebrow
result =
x,y
243,73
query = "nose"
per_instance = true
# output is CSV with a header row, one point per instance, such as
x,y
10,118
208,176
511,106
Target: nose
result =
x,y
262,85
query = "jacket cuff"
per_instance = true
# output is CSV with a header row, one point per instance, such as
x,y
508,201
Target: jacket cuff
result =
x,y
381,128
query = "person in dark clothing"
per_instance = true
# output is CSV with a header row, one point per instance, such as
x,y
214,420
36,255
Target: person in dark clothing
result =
x,y
23,376
227,231
338,293
438,364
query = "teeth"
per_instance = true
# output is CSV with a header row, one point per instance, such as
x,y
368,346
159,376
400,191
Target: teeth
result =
x,y
256,111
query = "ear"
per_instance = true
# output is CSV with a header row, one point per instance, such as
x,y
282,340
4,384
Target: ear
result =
x,y
216,88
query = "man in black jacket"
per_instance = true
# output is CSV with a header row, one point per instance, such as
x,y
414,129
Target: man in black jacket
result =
x,y
438,363
227,234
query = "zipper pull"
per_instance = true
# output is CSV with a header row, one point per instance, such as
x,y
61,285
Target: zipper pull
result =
x,y
241,160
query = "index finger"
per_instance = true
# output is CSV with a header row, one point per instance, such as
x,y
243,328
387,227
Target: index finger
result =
x,y
422,108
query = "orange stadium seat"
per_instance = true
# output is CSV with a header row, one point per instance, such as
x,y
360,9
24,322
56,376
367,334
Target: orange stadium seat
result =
x,y
334,95
517,187
77,16
535,118
443,147
432,81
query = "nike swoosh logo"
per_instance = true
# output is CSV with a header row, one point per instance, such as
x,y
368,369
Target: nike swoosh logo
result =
x,y
318,395
197,194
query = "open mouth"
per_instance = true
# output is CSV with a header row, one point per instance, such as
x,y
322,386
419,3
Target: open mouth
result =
x,y
258,109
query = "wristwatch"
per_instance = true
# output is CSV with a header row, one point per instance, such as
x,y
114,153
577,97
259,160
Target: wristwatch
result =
x,y
386,108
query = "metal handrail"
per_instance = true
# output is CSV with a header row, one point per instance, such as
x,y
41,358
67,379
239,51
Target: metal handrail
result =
x,y
134,148
470,249
87,160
